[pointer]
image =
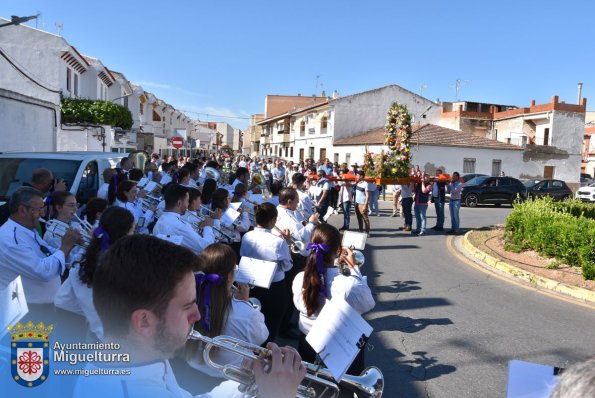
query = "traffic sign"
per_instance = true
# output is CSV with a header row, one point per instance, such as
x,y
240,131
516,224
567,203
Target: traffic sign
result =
x,y
177,142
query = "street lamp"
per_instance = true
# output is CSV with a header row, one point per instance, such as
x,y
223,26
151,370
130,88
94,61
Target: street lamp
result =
x,y
14,20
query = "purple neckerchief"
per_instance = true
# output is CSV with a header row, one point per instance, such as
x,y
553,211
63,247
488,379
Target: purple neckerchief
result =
x,y
206,279
104,236
320,249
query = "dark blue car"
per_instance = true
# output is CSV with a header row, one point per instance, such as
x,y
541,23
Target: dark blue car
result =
x,y
492,190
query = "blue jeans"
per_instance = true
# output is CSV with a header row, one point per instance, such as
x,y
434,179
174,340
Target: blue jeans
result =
x,y
439,207
454,207
420,217
346,213
407,203
374,201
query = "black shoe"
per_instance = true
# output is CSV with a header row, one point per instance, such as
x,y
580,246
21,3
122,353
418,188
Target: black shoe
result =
x,y
438,229
344,228
291,334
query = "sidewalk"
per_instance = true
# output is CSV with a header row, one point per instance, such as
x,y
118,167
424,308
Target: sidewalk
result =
x,y
463,245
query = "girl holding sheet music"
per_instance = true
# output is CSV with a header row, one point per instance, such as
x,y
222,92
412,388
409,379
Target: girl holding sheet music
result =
x,y
261,244
221,201
224,309
322,279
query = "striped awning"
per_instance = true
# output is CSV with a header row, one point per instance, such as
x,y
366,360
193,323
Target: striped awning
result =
x,y
105,78
73,62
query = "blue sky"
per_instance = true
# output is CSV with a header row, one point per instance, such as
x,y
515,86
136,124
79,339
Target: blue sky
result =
x,y
223,57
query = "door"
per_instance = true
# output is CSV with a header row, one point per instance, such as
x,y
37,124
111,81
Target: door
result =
x,y
322,154
488,193
548,172
301,154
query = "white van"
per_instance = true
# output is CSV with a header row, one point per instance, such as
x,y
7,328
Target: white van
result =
x,y
82,171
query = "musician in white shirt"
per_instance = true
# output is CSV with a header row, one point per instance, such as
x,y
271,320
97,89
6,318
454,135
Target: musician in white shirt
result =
x,y
103,189
76,293
126,198
261,244
322,279
171,222
24,253
305,207
147,306
221,201
225,310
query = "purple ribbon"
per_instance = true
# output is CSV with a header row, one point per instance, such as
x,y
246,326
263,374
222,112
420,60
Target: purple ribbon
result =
x,y
320,249
102,234
206,280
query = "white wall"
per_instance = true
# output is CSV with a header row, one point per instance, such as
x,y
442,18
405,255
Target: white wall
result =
x,y
361,112
79,139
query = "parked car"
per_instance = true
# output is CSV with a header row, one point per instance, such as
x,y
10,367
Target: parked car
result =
x,y
470,176
585,179
492,190
586,194
82,171
556,189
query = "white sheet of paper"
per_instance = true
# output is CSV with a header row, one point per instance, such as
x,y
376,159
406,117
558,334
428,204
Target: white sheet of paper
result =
x,y
315,191
229,216
337,335
177,239
357,240
142,182
256,198
150,187
256,272
235,205
13,305
530,380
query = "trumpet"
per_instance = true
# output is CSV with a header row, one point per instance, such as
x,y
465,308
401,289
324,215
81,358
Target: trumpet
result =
x,y
253,301
296,246
369,384
56,228
85,225
204,209
359,262
200,219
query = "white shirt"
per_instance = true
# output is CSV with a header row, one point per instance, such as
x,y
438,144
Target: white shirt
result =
x,y
55,241
20,254
141,219
263,245
171,223
150,380
306,207
274,200
102,191
345,194
165,179
75,296
353,288
243,322
287,219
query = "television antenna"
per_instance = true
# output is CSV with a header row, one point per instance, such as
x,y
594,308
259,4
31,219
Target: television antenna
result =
x,y
457,87
60,27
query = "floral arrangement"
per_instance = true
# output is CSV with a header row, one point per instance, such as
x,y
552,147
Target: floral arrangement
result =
x,y
396,162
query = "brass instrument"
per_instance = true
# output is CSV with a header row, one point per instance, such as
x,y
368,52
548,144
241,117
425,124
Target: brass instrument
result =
x,y
296,246
253,301
359,262
370,384
56,228
200,219
85,225
212,173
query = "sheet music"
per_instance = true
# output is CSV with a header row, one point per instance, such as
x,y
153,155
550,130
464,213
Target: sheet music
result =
x,y
13,305
229,216
337,335
177,239
142,182
355,240
256,272
150,187
235,205
530,380
256,198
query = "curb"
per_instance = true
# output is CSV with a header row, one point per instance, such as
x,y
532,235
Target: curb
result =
x,y
583,295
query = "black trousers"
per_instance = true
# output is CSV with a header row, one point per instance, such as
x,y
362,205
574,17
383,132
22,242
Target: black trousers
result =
x,y
274,305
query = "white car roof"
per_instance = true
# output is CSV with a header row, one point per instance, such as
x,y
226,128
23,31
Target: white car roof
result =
x,y
69,155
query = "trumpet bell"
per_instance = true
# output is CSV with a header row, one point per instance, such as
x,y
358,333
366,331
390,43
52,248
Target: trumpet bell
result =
x,y
370,383
359,258
213,173
257,178
297,246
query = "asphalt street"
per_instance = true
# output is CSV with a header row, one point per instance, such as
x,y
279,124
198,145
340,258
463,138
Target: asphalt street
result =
x,y
443,328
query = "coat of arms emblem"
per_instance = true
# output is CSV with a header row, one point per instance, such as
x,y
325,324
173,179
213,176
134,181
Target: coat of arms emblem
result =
x,y
30,353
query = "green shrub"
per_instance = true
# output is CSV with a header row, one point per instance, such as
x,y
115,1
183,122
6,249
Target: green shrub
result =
x,y
563,232
95,112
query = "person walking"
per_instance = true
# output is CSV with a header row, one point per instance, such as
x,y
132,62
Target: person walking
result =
x,y
422,196
455,188
362,199
406,204
438,198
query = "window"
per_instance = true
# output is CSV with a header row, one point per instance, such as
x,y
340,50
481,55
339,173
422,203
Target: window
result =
x,y
468,165
76,85
311,152
348,159
126,102
336,158
496,134
301,153
302,128
546,136
291,152
141,106
68,79
496,167
323,123
89,183
548,172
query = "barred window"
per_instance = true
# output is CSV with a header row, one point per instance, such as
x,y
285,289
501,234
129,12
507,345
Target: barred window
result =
x,y
468,165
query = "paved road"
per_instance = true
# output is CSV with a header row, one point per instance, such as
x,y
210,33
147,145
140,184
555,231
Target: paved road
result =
x,y
445,329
